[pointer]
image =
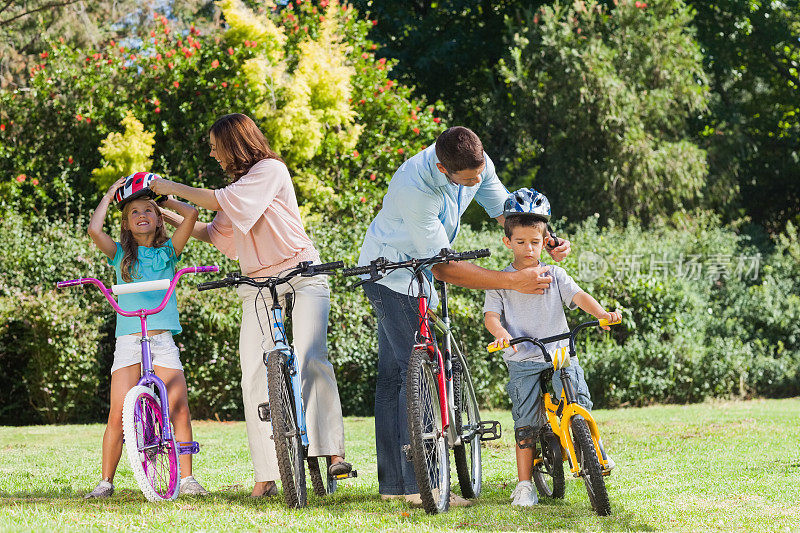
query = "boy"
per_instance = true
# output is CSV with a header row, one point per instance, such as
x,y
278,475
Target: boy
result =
x,y
509,314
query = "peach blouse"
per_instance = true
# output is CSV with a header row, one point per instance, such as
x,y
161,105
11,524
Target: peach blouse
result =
x,y
259,222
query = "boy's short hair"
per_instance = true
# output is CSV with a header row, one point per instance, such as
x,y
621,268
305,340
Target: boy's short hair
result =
x,y
458,148
526,221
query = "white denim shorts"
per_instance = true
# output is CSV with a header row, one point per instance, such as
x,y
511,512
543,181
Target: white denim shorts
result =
x,y
162,349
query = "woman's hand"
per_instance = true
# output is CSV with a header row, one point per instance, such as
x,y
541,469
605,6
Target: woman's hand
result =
x,y
161,186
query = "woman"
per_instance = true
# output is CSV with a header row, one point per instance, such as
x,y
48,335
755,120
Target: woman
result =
x,y
258,223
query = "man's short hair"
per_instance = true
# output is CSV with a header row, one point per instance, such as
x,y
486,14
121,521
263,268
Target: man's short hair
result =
x,y
458,148
525,221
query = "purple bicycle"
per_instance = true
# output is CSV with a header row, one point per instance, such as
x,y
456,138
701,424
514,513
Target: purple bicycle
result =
x,y
152,449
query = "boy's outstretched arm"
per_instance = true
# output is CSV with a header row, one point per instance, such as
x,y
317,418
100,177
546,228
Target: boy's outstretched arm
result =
x,y
185,226
593,307
102,239
501,335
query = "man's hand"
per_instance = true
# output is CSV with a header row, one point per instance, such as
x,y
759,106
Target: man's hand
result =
x,y
503,340
559,252
532,280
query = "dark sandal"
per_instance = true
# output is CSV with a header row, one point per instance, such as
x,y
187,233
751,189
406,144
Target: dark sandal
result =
x,y
339,469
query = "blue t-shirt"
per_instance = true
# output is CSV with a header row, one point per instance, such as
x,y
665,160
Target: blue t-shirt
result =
x,y
153,264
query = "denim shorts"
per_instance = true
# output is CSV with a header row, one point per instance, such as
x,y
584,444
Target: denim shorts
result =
x,y
524,390
163,350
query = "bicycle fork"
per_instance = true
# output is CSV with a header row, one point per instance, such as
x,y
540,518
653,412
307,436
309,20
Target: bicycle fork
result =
x,y
150,379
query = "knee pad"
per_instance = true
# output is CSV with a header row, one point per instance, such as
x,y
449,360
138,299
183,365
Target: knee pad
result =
x,y
526,437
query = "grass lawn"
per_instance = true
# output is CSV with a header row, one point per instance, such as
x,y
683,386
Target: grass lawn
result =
x,y
722,466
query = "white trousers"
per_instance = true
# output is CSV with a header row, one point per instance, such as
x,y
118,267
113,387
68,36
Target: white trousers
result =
x,y
320,393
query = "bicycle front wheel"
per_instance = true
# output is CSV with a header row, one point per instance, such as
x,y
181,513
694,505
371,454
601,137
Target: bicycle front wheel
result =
x,y
427,441
154,461
591,472
467,455
285,433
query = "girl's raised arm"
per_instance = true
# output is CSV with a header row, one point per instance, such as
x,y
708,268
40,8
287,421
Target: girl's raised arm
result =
x,y
100,237
184,229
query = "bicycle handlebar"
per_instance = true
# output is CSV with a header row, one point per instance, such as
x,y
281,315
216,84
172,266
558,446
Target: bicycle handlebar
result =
x,y
380,266
305,269
541,342
108,293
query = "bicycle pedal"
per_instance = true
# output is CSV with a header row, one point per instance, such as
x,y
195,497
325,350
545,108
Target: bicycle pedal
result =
x,y
352,473
490,430
407,449
188,448
263,412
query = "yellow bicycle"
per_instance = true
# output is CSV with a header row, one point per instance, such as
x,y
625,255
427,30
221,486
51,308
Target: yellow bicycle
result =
x,y
570,433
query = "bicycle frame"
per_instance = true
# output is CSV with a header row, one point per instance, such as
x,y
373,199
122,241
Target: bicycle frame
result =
x,y
279,334
149,377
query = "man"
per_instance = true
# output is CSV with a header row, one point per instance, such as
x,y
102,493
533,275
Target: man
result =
x,y
421,215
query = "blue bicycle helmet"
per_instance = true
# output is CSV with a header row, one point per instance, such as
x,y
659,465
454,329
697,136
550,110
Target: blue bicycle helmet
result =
x,y
527,202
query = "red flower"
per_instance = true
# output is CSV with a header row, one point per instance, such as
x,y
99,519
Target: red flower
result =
x,y
373,47
224,83
382,61
372,176
437,120
364,55
361,101
400,150
355,153
363,200
175,84
230,51
44,55
152,33
214,64
70,160
158,57
2,127
374,22
35,181
21,178
171,65
416,130
88,120
157,110
389,83
79,117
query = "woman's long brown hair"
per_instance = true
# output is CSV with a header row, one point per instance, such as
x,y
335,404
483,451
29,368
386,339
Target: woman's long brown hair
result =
x,y
130,248
240,144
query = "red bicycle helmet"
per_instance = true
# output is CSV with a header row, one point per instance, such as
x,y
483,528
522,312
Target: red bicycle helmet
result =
x,y
137,186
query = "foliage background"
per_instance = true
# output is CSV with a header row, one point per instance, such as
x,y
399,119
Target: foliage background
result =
x,y
627,114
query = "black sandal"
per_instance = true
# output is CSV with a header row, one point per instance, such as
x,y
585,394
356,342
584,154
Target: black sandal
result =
x,y
340,468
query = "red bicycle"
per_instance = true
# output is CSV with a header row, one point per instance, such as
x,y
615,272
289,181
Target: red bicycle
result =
x,y
442,406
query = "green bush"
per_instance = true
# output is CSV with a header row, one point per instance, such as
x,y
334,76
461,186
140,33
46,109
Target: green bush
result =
x,y
682,340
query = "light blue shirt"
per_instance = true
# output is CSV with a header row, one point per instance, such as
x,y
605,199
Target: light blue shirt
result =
x,y
153,263
421,214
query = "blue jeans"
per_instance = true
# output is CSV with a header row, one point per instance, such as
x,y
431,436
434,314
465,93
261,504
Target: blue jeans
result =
x,y
398,321
524,390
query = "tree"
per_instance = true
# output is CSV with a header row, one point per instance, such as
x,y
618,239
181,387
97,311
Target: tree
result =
x,y
603,100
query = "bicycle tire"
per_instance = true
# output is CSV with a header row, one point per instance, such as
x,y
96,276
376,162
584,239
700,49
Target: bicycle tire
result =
x,y
548,475
288,446
591,472
427,442
316,476
156,469
467,455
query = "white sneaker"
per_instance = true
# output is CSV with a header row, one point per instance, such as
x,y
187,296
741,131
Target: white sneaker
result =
x,y
610,463
524,495
190,486
104,489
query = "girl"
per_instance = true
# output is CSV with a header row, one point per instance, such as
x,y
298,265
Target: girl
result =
x,y
144,253
258,222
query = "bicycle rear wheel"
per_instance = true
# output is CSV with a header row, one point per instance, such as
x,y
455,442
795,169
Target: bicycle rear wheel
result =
x,y
319,479
548,474
154,461
467,455
427,441
591,472
288,446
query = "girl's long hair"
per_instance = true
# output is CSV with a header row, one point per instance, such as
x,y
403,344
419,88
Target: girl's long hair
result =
x,y
240,144
130,248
